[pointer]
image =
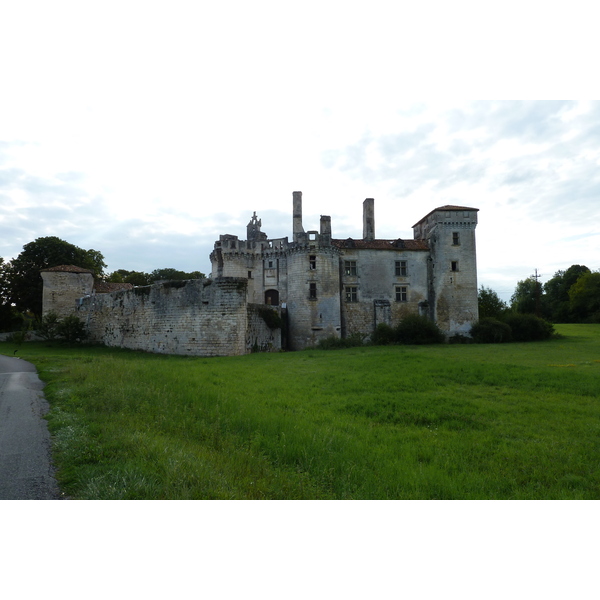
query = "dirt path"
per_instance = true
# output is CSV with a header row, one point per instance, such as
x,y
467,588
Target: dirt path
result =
x,y
26,471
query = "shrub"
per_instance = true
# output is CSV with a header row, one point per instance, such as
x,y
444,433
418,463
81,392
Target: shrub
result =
x,y
459,338
72,329
415,329
48,327
383,335
335,343
528,328
490,331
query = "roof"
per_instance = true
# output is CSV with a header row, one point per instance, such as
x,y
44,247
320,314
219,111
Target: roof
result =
x,y
67,269
446,207
398,244
105,287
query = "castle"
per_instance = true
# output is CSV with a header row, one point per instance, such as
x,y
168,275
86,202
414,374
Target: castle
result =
x,y
321,287
332,287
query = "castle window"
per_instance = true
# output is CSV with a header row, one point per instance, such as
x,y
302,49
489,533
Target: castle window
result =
x,y
401,293
454,265
249,274
455,238
401,268
312,261
351,294
350,268
312,291
270,264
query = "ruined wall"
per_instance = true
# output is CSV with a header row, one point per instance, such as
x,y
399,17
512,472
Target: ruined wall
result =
x,y
200,317
259,336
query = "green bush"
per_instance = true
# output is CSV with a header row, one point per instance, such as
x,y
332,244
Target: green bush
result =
x,y
48,326
415,329
383,335
71,329
490,331
335,343
528,328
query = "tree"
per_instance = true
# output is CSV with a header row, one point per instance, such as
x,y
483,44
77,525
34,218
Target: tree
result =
x,y
141,278
584,295
24,279
174,275
10,319
556,291
528,297
489,303
133,277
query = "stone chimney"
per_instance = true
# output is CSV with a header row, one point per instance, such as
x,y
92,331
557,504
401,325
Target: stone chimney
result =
x,y
325,237
298,230
369,219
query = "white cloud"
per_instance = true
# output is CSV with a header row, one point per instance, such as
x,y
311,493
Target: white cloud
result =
x,y
146,130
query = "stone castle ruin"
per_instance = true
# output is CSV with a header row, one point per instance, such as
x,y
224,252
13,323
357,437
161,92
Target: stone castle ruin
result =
x,y
269,294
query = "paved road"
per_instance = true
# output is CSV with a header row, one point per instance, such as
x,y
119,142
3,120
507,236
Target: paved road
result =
x,y
26,472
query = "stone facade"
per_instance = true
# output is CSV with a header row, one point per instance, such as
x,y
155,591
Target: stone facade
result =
x,y
319,285
333,287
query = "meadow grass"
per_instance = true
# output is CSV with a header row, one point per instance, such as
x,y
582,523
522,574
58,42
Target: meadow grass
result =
x,y
508,421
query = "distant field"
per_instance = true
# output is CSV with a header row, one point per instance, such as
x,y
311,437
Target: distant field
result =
x,y
448,422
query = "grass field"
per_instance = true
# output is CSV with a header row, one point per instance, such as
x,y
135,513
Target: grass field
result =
x,y
509,421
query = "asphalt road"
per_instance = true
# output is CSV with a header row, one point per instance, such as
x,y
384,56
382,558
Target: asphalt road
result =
x,y
26,471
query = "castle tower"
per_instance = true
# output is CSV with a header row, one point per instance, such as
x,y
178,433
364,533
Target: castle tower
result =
x,y
452,276
63,286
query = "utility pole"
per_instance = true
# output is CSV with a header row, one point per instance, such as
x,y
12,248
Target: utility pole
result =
x,y
536,276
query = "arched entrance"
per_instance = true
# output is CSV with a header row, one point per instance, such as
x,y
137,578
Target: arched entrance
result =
x,y
272,297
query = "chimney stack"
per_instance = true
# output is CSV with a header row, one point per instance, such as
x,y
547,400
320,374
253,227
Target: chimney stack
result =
x,y
297,215
369,219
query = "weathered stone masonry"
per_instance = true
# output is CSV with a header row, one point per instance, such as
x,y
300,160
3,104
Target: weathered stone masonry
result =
x,y
200,317
321,286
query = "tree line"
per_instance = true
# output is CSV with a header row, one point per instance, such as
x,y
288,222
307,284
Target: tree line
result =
x,y
571,296
21,283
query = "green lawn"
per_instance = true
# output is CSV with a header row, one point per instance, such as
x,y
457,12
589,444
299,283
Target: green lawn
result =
x,y
449,422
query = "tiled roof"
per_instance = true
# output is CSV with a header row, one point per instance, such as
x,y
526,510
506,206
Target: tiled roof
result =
x,y
67,269
105,287
398,244
445,208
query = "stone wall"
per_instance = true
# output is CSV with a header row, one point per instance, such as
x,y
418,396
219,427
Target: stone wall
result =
x,y
62,289
200,317
374,281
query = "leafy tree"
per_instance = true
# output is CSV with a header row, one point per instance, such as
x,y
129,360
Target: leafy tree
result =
x,y
10,319
174,275
24,281
490,305
584,295
141,278
528,298
133,277
556,291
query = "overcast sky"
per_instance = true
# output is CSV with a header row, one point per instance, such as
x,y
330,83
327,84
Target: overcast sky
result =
x,y
146,130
